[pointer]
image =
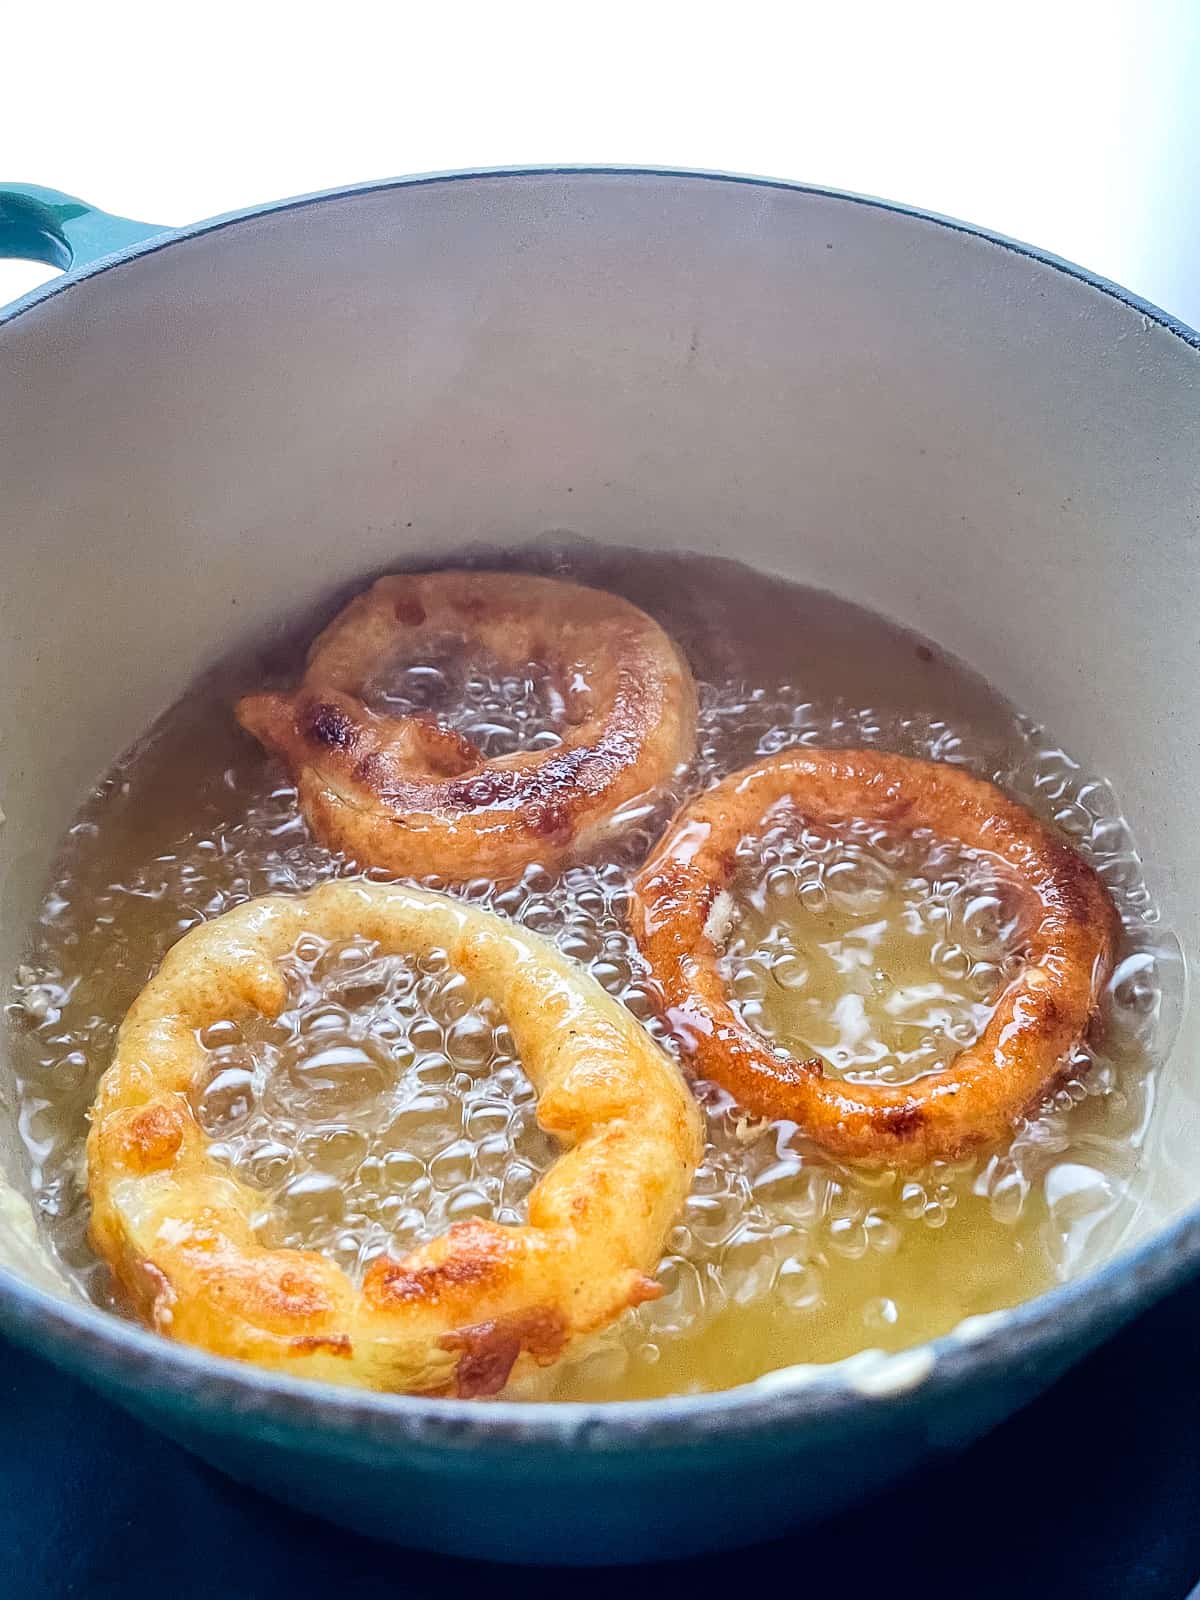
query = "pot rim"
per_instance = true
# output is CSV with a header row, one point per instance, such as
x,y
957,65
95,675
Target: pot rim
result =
x,y
167,236
131,1359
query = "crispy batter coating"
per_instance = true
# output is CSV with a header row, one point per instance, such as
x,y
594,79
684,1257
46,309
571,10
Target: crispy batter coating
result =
x,y
455,1315
1037,1021
405,794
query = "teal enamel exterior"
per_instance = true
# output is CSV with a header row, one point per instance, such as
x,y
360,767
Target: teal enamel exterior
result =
x,y
45,225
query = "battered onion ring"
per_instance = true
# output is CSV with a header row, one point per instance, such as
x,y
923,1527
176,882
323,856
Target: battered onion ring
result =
x,y
1038,1019
403,794
455,1315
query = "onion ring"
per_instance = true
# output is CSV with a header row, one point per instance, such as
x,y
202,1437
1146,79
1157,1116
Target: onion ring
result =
x,y
1038,1019
414,798
456,1314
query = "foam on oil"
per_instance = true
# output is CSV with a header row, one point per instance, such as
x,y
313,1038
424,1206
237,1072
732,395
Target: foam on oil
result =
x,y
387,1101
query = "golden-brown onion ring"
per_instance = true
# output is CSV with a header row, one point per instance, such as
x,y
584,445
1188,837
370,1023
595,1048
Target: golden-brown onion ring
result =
x,y
404,794
1037,1020
455,1315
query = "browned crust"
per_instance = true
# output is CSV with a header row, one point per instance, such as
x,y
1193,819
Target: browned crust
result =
x,y
489,1350
406,795
1037,1021
150,1137
478,1256
337,1344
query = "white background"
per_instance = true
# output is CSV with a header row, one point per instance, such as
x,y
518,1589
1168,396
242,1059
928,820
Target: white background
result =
x,y
1073,126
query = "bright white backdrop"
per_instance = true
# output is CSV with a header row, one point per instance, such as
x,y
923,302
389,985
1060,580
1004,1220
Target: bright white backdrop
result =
x,y
1075,126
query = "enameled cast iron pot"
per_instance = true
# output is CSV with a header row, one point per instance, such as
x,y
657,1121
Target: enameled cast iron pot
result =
x,y
202,431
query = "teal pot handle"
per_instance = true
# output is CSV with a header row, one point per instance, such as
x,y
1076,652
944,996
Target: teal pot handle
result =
x,y
44,225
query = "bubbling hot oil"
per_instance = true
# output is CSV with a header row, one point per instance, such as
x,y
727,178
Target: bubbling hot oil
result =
x,y
387,1101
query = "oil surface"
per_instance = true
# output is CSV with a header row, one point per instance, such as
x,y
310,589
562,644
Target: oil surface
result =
x,y
387,1101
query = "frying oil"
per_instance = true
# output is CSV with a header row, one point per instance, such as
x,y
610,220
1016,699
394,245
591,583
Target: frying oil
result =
x,y
387,1101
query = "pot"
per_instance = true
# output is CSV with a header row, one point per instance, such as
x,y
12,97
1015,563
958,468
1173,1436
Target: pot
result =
x,y
985,443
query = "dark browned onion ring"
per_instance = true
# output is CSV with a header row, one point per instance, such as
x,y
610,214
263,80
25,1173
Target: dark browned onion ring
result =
x,y
1037,1021
404,794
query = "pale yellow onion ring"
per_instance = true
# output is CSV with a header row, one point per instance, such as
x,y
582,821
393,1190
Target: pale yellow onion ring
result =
x,y
406,795
455,1315
1037,1020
